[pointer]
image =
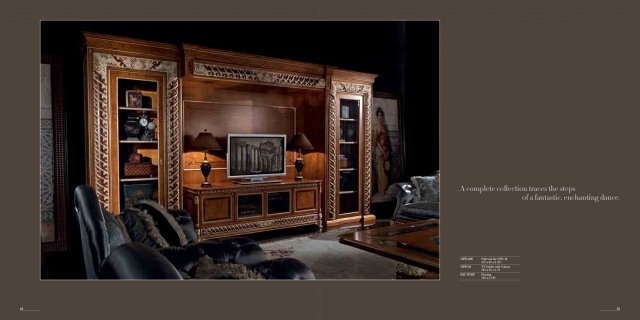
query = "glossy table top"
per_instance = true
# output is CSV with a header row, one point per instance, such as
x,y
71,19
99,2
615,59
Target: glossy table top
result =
x,y
416,243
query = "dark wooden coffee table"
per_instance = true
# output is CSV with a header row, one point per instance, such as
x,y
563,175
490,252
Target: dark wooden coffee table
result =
x,y
414,243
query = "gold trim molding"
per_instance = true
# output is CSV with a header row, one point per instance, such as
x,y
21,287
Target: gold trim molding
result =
x,y
257,225
365,91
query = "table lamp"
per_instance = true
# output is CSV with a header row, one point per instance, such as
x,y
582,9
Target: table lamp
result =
x,y
300,142
205,141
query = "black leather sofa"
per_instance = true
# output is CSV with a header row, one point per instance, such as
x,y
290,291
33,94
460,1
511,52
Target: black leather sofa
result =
x,y
112,249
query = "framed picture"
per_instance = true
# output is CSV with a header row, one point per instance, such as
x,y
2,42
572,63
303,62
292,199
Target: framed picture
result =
x,y
134,193
134,98
388,144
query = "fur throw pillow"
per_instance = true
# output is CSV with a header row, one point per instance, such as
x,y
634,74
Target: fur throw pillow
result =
x,y
152,230
141,228
166,223
206,268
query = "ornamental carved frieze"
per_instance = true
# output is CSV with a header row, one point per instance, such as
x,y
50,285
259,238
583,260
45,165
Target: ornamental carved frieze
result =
x,y
101,119
263,224
258,188
248,74
365,91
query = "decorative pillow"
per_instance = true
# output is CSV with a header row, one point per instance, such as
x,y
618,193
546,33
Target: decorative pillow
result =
x,y
141,228
166,223
207,269
428,188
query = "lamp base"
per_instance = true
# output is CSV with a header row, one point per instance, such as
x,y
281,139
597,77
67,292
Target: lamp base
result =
x,y
299,164
206,169
299,177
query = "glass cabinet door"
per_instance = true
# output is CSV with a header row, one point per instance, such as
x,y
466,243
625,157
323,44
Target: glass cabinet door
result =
x,y
349,156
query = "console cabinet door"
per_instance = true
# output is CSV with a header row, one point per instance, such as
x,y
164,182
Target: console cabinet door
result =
x,y
215,209
306,200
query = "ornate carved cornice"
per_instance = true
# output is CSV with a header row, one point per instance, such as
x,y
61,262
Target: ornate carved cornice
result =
x,y
365,91
101,119
249,74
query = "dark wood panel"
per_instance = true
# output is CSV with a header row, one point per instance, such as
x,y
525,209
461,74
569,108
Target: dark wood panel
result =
x,y
223,118
236,93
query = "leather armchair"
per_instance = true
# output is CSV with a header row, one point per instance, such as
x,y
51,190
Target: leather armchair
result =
x,y
108,254
128,260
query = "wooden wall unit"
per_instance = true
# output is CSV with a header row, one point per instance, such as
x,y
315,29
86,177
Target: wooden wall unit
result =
x,y
229,209
228,92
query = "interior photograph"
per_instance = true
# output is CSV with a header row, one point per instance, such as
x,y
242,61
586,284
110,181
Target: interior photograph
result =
x,y
195,150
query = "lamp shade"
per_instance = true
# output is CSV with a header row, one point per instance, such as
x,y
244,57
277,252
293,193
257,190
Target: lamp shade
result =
x,y
300,141
206,141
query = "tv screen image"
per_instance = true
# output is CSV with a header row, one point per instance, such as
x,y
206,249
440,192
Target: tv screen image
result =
x,y
256,156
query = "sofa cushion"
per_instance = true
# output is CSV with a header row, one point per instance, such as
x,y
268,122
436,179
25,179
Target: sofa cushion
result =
x,y
165,222
141,228
420,211
427,188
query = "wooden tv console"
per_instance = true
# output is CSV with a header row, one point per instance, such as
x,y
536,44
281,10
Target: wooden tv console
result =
x,y
231,209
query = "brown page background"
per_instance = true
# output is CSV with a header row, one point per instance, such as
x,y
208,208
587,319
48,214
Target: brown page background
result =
x,y
532,94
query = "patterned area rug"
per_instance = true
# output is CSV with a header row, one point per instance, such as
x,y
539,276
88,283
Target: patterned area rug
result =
x,y
329,259
279,253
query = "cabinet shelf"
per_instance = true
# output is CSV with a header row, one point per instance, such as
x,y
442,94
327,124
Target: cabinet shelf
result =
x,y
348,142
138,109
348,169
347,192
348,119
139,179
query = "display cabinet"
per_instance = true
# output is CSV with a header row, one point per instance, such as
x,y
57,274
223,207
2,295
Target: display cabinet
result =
x,y
349,144
133,121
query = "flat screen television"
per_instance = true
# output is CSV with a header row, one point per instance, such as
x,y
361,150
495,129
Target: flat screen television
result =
x,y
254,157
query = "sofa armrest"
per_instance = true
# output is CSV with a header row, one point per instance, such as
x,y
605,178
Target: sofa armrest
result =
x,y
405,195
136,261
186,224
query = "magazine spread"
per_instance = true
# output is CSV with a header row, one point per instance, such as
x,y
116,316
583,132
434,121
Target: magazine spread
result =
x,y
331,160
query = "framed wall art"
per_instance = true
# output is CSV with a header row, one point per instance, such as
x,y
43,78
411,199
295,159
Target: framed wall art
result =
x,y
388,156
